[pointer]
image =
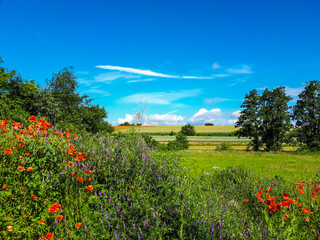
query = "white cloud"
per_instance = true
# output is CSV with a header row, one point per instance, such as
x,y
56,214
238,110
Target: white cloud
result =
x,y
128,118
221,75
165,119
196,77
141,80
155,119
108,77
163,98
215,100
147,72
136,71
94,90
243,69
204,116
236,114
215,116
293,92
216,65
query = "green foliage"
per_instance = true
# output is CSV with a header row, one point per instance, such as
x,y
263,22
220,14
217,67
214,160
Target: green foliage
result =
x,y
265,119
208,124
59,102
181,142
171,133
188,130
223,147
306,113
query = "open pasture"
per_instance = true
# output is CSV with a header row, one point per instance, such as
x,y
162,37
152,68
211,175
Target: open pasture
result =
x,y
175,129
289,165
203,139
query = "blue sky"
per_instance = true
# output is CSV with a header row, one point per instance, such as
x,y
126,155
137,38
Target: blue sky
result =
x,y
191,61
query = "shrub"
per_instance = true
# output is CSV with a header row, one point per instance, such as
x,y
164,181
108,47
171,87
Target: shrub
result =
x,y
188,130
208,124
223,147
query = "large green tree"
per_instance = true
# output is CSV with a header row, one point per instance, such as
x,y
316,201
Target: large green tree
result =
x,y
249,120
265,119
275,116
306,113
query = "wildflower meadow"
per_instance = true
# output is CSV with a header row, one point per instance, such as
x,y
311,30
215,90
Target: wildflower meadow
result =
x,y
58,184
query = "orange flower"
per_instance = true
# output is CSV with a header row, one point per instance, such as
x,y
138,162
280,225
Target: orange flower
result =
x,y
88,179
34,197
73,174
42,221
286,216
78,225
28,153
274,184
4,187
302,181
132,187
79,179
89,188
54,208
70,129
8,151
21,169
30,169
243,180
33,119
306,210
301,191
307,219
9,228
269,189
8,217
299,205
245,200
48,236
89,172
59,217
262,188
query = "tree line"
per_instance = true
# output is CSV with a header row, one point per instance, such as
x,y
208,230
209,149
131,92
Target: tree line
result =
x,y
58,102
269,121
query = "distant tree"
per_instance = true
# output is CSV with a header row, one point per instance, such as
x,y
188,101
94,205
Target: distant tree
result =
x,y
181,142
249,120
306,113
125,124
171,133
188,130
275,116
208,124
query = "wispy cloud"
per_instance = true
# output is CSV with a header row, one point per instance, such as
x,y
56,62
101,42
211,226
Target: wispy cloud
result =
x,y
162,98
94,90
148,72
141,80
136,71
216,65
221,75
108,77
243,69
215,100
293,92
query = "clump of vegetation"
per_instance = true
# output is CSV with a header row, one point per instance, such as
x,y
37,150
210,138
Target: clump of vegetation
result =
x,y
223,147
188,130
181,142
208,124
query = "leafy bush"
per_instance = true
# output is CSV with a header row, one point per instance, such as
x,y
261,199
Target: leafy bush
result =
x,y
223,147
208,124
188,130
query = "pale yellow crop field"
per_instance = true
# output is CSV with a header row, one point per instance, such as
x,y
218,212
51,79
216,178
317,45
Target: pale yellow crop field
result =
x,y
168,129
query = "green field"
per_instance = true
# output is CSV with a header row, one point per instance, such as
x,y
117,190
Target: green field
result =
x,y
292,166
176,129
202,139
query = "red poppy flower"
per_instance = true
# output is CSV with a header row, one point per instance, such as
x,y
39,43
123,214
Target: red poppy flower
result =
x,y
89,188
306,210
79,179
34,197
4,187
8,151
48,236
245,200
78,225
33,119
59,217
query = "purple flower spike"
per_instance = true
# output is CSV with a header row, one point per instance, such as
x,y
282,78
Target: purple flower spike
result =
x,y
146,157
